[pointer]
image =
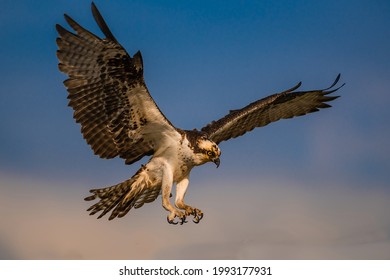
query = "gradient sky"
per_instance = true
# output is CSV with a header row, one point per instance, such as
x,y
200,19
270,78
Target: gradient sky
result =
x,y
312,187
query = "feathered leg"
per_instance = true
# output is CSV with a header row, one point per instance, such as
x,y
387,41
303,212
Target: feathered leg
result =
x,y
181,189
166,188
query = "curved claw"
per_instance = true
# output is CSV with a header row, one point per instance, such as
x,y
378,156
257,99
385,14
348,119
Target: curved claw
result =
x,y
183,220
197,217
171,222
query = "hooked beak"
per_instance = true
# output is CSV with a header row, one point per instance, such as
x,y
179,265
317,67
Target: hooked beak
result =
x,y
217,162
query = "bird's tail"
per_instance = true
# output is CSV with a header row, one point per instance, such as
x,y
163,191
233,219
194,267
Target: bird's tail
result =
x,y
133,192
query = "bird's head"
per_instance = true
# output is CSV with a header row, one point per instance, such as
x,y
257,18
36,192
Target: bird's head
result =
x,y
208,150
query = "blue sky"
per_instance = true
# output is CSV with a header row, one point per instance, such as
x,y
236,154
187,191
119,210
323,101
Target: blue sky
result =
x,y
202,58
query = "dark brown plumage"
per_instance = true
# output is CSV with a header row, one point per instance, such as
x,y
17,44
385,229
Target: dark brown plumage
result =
x,y
118,117
107,92
284,105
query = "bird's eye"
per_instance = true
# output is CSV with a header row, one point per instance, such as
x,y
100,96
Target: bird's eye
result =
x,y
210,153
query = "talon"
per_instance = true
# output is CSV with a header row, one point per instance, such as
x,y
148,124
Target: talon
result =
x,y
196,220
171,222
183,220
197,217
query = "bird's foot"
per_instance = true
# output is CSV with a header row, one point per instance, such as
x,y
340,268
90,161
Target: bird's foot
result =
x,y
198,214
180,215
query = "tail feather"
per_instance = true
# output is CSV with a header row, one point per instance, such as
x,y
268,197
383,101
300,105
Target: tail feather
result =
x,y
109,197
121,198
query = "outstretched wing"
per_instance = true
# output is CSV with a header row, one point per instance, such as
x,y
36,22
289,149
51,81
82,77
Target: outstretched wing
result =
x,y
107,91
284,105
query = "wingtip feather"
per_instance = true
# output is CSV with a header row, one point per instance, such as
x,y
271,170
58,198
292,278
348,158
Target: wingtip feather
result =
x,y
293,88
335,82
61,30
70,20
101,23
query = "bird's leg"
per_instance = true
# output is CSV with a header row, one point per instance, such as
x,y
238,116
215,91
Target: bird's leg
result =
x,y
173,211
166,193
181,189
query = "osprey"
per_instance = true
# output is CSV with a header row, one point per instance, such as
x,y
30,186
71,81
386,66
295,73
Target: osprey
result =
x,y
118,117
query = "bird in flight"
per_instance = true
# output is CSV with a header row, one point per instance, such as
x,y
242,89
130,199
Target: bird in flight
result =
x,y
118,117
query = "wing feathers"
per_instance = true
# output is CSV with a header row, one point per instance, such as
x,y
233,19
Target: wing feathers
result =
x,y
334,83
294,87
284,105
88,37
102,24
108,93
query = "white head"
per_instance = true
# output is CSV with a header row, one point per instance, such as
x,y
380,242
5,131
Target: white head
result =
x,y
206,151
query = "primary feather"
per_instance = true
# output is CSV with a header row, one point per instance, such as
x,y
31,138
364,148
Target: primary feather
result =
x,y
284,105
